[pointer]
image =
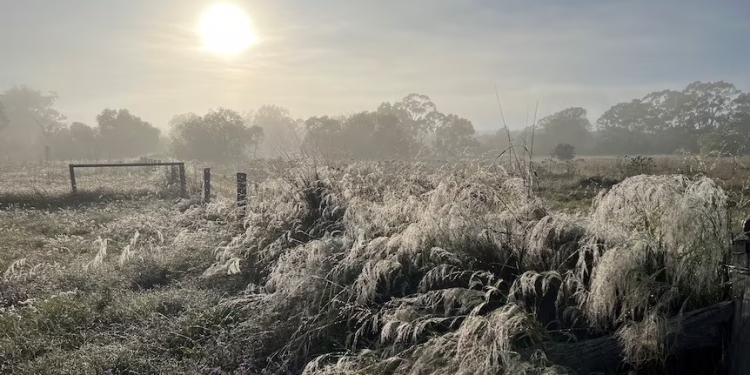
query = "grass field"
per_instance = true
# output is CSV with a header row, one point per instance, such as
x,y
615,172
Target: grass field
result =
x,y
358,267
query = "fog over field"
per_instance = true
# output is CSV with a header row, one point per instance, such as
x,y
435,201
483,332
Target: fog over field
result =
x,y
338,58
343,187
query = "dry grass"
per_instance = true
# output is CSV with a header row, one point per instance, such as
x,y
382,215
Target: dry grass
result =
x,y
368,267
47,184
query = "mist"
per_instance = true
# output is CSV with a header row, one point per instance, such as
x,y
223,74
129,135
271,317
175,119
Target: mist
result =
x,y
341,187
494,65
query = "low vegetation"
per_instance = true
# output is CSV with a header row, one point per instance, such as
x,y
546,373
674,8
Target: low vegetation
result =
x,y
366,267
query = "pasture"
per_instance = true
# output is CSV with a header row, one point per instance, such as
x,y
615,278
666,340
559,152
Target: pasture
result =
x,y
382,267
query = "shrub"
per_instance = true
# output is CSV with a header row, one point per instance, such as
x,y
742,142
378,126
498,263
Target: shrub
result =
x,y
637,165
564,151
664,240
722,144
598,182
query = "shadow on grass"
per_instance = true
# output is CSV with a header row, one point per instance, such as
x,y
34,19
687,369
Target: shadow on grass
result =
x,y
81,198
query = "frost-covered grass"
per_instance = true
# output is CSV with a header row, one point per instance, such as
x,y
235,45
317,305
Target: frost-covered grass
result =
x,y
47,184
367,267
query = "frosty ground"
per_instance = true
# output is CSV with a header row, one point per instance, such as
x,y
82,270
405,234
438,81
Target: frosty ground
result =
x,y
360,267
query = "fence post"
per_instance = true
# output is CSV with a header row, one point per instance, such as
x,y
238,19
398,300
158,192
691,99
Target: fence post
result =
x,y
73,178
241,193
740,338
183,188
206,185
173,175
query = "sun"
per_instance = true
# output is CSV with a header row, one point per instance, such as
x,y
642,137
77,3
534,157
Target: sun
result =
x,y
225,29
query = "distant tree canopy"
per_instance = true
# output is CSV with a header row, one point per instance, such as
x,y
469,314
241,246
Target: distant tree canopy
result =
x,y
4,121
280,131
420,115
28,121
78,141
123,134
393,131
705,117
31,127
220,135
326,134
570,126
563,151
454,137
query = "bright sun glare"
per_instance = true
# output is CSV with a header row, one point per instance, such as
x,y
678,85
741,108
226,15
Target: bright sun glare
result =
x,y
225,29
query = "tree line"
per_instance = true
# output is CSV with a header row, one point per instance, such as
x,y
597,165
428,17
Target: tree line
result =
x,y
30,127
705,117
412,127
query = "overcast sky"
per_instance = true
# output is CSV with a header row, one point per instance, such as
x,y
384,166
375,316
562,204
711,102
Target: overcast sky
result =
x,y
340,56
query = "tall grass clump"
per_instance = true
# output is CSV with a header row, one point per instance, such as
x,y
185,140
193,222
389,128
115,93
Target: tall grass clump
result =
x,y
656,245
389,265
281,213
472,271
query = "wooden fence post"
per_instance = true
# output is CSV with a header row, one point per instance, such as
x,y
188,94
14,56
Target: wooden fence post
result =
x,y
183,188
740,344
172,174
73,178
206,185
241,193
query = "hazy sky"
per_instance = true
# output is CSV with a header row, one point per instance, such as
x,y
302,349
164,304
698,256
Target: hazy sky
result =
x,y
339,56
